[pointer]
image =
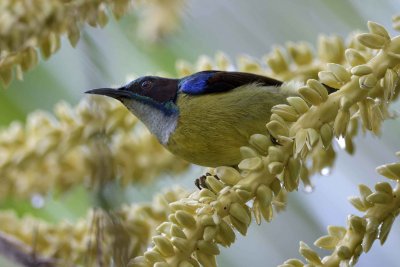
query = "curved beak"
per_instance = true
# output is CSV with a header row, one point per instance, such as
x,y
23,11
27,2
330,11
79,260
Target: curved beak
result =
x,y
114,93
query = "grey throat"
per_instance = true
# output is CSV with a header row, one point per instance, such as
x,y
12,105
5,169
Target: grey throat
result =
x,y
159,124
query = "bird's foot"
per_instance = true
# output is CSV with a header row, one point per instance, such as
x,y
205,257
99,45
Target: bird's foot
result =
x,y
201,181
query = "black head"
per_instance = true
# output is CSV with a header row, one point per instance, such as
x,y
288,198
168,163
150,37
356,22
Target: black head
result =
x,y
147,89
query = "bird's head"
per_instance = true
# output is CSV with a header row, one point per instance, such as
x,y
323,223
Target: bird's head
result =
x,y
152,100
145,93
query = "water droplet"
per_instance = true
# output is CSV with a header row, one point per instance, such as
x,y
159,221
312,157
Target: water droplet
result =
x,y
308,188
326,171
341,142
37,201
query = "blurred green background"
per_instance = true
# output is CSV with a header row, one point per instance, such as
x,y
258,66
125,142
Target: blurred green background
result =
x,y
107,56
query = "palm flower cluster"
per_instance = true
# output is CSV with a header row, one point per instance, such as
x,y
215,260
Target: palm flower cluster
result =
x,y
28,27
93,143
366,82
98,239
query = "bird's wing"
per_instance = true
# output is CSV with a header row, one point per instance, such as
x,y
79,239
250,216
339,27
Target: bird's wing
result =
x,y
207,82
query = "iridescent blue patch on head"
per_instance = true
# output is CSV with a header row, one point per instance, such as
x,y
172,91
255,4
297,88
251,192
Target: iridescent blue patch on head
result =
x,y
195,84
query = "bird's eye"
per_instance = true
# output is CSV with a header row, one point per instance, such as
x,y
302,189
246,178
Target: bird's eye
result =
x,y
146,85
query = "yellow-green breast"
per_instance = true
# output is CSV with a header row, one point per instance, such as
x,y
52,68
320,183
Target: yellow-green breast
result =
x,y
211,128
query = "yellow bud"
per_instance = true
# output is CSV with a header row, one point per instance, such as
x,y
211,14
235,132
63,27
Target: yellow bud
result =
x,y
260,142
277,128
248,152
327,242
341,122
185,219
206,259
239,212
312,137
344,252
222,61
276,61
185,264
354,57
210,232
298,104
391,171
339,71
250,164
161,264
275,167
225,234
182,244
208,247
239,225
368,81
264,194
138,262
378,29
372,40
329,78
310,255
361,70
380,198
214,184
275,154
287,112
153,256
164,245
176,231
310,95
384,187
386,227
326,135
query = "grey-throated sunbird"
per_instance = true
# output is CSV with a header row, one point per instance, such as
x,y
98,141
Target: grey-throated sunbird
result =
x,y
206,117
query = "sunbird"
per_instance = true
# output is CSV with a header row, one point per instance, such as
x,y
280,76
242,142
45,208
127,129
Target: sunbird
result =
x,y
206,117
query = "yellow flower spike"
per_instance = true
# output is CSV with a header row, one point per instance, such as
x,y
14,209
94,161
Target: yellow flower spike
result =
x,y
260,142
371,40
206,259
164,245
310,95
185,219
330,49
204,63
378,29
385,228
208,247
361,70
310,255
210,233
391,171
354,58
183,68
240,212
300,53
275,167
181,244
340,72
298,104
276,61
247,64
277,128
248,152
228,175
287,112
368,81
341,123
222,61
